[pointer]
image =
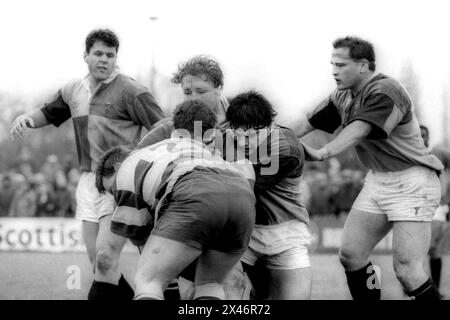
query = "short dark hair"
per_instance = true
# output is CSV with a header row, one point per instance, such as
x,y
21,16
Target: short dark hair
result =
x,y
251,110
200,65
358,49
187,112
104,35
107,162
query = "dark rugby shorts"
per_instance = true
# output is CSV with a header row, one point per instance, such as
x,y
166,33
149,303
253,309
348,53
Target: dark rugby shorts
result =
x,y
209,209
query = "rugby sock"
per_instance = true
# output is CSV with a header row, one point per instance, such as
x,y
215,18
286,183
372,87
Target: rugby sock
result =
x,y
254,296
360,286
209,291
427,291
126,291
104,291
172,291
435,270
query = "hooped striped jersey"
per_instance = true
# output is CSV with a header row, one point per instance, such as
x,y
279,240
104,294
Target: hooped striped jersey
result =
x,y
148,175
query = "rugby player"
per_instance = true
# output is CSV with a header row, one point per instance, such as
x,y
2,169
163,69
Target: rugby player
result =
x,y
277,260
401,190
440,216
108,109
182,203
200,77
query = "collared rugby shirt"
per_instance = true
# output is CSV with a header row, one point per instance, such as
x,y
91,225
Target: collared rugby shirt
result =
x,y
148,175
394,143
112,115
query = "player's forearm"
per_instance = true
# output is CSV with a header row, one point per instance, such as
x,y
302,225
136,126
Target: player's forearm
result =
x,y
347,138
39,118
302,128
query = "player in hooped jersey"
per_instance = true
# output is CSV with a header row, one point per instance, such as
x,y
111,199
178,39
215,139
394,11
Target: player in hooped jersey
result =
x,y
200,77
401,190
181,202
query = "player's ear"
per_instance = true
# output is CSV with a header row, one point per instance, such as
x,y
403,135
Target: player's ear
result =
x,y
365,67
85,55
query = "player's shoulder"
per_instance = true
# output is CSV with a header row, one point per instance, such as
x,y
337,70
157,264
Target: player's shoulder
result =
x,y
71,87
383,84
125,174
289,144
130,85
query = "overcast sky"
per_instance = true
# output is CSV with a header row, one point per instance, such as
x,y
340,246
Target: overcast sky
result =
x,y
281,48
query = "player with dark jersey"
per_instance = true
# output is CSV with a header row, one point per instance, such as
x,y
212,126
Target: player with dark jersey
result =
x,y
401,190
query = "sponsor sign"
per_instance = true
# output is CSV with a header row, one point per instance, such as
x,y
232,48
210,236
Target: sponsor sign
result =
x,y
43,234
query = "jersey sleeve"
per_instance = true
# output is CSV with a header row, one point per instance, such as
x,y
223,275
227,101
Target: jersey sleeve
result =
x,y
144,110
325,116
57,111
160,131
132,217
381,112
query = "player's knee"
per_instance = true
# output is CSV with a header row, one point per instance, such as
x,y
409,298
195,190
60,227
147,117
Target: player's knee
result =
x,y
347,257
404,269
105,260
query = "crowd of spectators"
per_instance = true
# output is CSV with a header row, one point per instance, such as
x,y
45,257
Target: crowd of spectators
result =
x,y
328,189
48,191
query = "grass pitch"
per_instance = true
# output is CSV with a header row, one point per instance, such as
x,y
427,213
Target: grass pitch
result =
x,y
51,276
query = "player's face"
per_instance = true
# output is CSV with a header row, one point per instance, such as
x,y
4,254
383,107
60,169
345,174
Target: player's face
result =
x,y
346,71
199,88
101,61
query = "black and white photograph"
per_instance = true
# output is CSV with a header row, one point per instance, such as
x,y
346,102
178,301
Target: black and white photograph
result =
x,y
243,151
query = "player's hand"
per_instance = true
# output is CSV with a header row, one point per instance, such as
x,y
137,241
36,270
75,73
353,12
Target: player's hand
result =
x,y
19,125
312,154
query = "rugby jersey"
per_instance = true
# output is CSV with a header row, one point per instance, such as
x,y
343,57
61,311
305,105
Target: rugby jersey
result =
x,y
277,158
112,115
395,142
148,175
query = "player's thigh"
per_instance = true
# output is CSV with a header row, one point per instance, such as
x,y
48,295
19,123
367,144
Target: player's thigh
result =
x,y
290,284
106,240
163,259
362,231
410,241
90,232
216,266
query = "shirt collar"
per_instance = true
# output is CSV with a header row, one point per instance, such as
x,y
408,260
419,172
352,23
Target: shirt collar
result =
x,y
114,74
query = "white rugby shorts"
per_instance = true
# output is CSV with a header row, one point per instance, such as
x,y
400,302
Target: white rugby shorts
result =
x,y
282,246
91,205
409,195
